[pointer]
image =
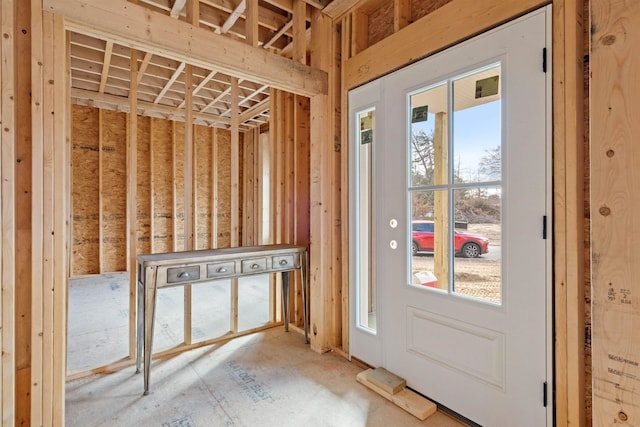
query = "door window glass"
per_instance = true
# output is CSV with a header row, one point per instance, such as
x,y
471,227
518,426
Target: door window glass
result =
x,y
365,289
455,185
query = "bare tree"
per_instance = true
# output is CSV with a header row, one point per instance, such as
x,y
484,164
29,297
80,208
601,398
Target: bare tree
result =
x,y
490,164
422,157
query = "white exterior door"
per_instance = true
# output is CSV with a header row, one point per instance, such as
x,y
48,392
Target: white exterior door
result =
x,y
450,201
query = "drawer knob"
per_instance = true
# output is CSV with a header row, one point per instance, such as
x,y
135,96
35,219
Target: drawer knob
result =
x,y
283,262
254,266
184,275
221,270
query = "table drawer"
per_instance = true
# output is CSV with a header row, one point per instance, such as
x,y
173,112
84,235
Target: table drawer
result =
x,y
183,274
221,269
254,265
280,262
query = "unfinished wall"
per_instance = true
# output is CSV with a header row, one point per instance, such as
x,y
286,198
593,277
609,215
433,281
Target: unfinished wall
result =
x,y
615,208
290,180
113,182
204,162
223,198
23,194
161,188
143,195
85,193
99,188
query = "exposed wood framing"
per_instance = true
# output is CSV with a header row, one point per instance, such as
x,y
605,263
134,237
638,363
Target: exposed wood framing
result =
x,y
118,20
100,191
193,12
615,206
172,80
299,32
8,213
214,188
235,190
177,8
105,65
300,177
37,213
360,31
235,165
276,35
340,262
111,102
413,42
189,193
252,22
143,66
401,14
278,165
321,193
233,18
132,204
23,170
50,235
341,96
337,8
275,190
568,212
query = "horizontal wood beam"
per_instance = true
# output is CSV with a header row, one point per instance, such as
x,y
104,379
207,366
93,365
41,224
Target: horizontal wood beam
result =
x,y
337,8
140,28
413,42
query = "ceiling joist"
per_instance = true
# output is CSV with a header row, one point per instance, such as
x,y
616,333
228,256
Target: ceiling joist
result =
x,y
119,21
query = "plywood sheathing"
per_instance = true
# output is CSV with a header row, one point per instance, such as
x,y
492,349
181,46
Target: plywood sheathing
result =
x,y
380,23
203,146
143,199
162,185
423,8
178,184
113,197
85,193
224,184
615,207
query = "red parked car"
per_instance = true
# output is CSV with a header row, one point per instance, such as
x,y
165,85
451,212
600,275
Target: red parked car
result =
x,y
467,245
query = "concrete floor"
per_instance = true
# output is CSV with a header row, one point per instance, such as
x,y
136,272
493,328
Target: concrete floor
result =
x,y
270,378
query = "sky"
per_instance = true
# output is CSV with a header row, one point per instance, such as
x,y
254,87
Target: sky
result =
x,y
475,130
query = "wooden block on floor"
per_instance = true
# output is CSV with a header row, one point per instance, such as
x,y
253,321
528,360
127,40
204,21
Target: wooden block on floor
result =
x,y
415,404
363,378
387,381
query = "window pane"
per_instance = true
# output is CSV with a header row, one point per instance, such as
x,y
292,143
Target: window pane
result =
x,y
429,240
476,126
366,296
428,132
477,243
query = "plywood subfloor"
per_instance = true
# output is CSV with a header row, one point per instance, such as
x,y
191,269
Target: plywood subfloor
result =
x,y
270,378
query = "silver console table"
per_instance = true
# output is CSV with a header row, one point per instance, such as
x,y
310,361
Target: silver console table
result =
x,y
186,268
